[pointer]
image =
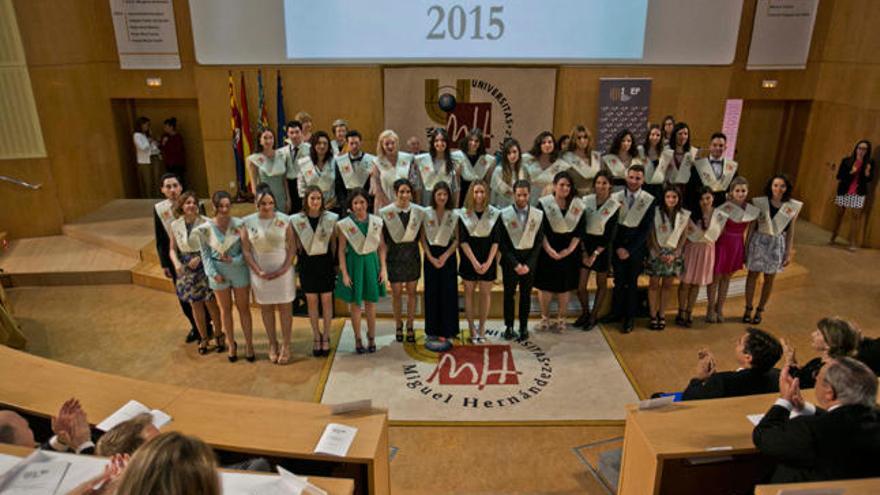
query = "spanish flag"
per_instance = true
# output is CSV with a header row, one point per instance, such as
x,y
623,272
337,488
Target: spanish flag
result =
x,y
235,125
247,137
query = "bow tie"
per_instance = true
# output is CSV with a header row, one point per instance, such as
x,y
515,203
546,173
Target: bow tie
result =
x,y
713,162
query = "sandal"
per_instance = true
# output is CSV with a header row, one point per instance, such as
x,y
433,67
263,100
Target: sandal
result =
x,y
203,346
654,324
747,316
359,346
316,347
689,320
679,318
545,324
233,352
284,357
410,334
249,354
756,320
371,347
273,352
220,340
398,333
560,324
661,323
325,345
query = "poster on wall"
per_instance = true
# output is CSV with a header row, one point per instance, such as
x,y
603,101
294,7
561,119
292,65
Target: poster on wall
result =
x,y
623,104
504,103
782,33
146,36
730,125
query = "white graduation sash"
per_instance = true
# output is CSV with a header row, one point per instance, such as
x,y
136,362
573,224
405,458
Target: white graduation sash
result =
x,y
187,242
230,237
598,217
473,171
500,187
579,165
391,217
269,239
777,224
631,217
438,232
430,173
683,174
337,148
615,166
165,211
292,161
277,165
657,175
707,174
389,173
354,175
324,178
362,244
522,236
541,177
315,242
669,235
479,227
740,215
716,224
559,223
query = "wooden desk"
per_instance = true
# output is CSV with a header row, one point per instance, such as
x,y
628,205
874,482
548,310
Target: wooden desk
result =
x,y
867,486
334,486
659,443
235,423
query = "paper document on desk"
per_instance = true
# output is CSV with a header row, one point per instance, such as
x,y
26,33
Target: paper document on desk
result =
x,y
131,409
756,418
36,474
355,405
336,440
261,484
655,403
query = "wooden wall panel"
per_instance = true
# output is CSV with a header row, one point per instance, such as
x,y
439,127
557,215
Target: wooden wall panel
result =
x,y
19,205
758,142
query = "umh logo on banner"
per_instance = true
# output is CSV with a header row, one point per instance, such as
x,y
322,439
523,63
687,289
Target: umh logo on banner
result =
x,y
623,104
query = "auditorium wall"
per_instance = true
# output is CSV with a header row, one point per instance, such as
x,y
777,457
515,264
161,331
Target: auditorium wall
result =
x,y
75,73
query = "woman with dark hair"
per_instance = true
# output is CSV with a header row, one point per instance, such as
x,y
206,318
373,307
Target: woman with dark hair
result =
x,y
441,280
267,244
267,166
667,127
563,142
226,269
600,214
853,176
148,157
362,270
191,283
649,153
506,175
542,165
478,246
833,338
665,260
620,156
769,248
437,165
171,146
402,223
583,161
473,162
315,238
318,168
677,160
558,269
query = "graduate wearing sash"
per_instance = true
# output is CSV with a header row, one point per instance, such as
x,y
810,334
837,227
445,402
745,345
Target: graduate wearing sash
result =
x,y
542,164
339,129
584,162
621,154
505,175
714,172
318,169
558,268
769,248
269,166
600,216
699,255
440,265
473,162
191,283
649,153
678,160
362,271
438,165
267,245
402,223
635,216
390,164
730,247
521,242
665,259
297,147
352,171
225,266
315,230
478,246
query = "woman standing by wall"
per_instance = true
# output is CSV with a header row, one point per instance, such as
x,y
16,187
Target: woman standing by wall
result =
x,y
853,176
148,157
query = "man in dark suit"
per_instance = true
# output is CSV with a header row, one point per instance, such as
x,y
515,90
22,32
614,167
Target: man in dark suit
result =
x,y
71,430
714,172
838,440
630,245
756,352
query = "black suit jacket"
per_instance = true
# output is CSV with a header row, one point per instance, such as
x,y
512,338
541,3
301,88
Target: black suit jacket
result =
x,y
841,444
163,243
634,239
869,353
691,201
733,384
510,256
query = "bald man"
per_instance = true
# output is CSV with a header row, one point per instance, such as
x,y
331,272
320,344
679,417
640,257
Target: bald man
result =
x,y
15,430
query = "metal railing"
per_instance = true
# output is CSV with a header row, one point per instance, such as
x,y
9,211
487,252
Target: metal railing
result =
x,y
21,183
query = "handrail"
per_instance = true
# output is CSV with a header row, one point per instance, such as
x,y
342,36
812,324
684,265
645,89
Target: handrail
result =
x,y
21,183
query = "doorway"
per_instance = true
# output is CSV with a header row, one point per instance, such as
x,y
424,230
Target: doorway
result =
x,y
770,140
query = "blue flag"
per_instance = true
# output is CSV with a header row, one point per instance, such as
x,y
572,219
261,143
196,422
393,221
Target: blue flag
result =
x,y
282,120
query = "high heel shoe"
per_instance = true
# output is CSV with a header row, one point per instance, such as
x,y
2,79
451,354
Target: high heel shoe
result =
x,y
560,324
249,355
679,318
220,340
284,357
325,346
316,347
545,324
756,320
233,352
359,346
273,352
410,334
398,333
661,323
654,324
747,316
371,344
203,347
689,320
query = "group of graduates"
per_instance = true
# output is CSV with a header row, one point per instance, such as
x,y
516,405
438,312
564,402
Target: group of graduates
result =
x,y
357,223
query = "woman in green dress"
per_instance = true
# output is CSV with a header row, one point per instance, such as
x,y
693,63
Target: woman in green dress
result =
x,y
362,270
269,166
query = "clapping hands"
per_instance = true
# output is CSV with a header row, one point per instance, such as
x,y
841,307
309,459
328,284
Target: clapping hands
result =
x,y
71,425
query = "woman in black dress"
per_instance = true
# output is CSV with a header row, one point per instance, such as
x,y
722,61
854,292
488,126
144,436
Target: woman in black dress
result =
x,y
600,217
402,222
558,270
478,247
441,280
315,242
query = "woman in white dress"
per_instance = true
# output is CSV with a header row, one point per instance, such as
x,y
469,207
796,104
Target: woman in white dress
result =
x,y
267,244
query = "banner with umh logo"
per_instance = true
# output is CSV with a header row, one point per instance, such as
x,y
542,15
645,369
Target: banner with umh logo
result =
x,y
623,104
503,103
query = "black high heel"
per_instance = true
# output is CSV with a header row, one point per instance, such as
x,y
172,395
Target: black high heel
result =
x,y
219,339
661,323
234,356
654,324
689,321
326,340
371,348
398,334
756,320
203,347
359,346
316,348
410,334
747,316
250,357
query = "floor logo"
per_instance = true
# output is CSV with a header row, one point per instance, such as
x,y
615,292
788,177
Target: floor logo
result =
x,y
476,365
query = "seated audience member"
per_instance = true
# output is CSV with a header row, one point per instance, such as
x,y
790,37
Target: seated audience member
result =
x,y
174,464
128,436
869,353
832,338
757,352
15,430
839,441
71,430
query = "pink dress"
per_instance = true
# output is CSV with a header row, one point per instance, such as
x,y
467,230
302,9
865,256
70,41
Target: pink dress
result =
x,y
699,263
730,248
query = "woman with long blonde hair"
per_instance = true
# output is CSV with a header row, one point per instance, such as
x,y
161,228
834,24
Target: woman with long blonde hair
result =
x,y
390,164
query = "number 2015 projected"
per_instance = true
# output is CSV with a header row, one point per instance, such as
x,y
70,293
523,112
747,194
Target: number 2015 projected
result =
x,y
459,24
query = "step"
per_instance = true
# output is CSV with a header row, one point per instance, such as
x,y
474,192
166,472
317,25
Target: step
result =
x,y
124,226
62,260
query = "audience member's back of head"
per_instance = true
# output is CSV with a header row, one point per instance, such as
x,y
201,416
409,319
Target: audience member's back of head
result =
x,y
842,337
852,381
171,464
764,348
126,437
14,429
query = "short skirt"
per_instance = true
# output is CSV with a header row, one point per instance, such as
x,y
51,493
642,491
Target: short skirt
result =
x,y
236,275
192,285
766,253
317,274
850,201
404,262
278,290
655,267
